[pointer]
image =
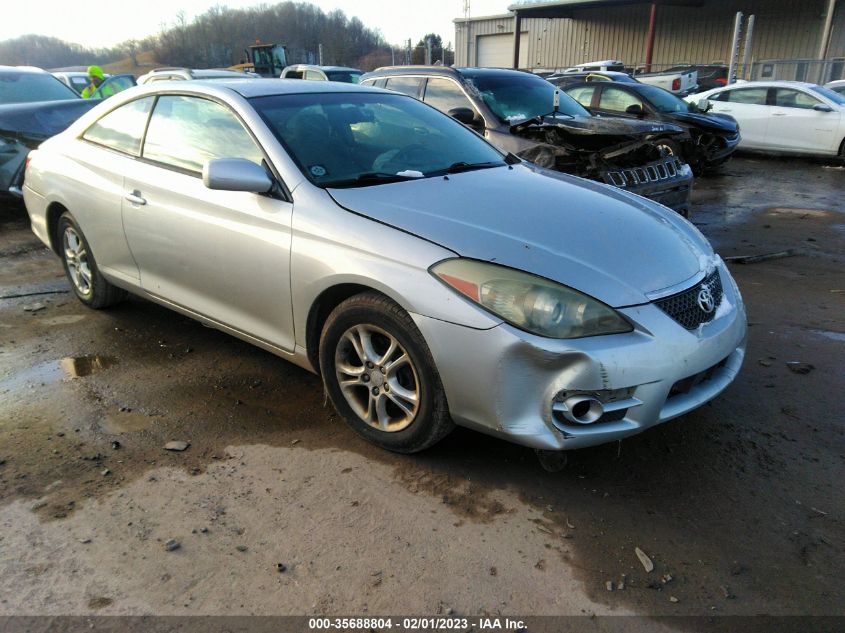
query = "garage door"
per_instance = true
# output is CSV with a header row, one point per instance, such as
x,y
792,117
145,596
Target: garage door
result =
x,y
496,51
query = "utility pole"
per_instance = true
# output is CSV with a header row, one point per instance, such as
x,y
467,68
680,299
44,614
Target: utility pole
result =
x,y
734,58
320,53
746,52
466,31
428,51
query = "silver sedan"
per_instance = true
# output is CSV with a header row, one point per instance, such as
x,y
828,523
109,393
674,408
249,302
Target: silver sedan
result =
x,y
363,235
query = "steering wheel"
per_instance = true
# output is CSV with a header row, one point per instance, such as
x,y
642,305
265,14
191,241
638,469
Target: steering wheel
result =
x,y
412,156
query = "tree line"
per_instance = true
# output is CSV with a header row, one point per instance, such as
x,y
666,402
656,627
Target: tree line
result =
x,y
218,37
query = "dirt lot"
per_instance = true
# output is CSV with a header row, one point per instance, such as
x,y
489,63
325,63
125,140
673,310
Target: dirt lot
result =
x,y
740,505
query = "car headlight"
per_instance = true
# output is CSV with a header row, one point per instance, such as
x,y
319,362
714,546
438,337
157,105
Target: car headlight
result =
x,y
529,302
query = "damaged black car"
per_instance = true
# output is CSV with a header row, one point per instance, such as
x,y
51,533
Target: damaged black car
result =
x,y
710,141
525,115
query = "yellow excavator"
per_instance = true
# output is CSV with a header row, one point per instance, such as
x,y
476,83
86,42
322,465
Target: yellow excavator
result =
x,y
267,60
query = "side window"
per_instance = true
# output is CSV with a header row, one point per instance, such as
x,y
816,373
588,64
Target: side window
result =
x,y
293,74
122,128
185,132
789,98
750,96
617,100
445,94
313,75
583,95
406,85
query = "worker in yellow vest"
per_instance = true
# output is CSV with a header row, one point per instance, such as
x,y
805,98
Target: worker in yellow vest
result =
x,y
96,76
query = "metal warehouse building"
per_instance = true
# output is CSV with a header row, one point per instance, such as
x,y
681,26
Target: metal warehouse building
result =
x,y
550,35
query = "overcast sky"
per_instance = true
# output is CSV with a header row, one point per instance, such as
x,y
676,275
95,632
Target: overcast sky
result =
x,y
104,23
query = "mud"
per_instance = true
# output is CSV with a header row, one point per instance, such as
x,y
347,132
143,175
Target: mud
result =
x,y
739,502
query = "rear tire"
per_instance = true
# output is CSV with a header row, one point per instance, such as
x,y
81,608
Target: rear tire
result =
x,y
89,285
380,376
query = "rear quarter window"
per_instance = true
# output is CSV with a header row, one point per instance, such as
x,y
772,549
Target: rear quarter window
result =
x,y
122,128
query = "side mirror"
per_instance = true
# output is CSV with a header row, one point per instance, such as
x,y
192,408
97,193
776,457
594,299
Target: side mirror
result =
x,y
636,109
235,174
821,107
463,115
704,105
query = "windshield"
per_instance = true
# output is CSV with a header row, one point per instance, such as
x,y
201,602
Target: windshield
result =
x,y
665,101
517,97
360,139
28,87
837,98
346,76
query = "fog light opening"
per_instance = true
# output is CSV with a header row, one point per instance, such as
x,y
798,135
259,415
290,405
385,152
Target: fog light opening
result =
x,y
583,409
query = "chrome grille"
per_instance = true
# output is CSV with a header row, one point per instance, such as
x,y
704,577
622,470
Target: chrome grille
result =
x,y
684,307
665,169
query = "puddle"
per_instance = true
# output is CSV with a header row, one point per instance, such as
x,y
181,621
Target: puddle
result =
x,y
55,371
834,336
81,366
62,320
126,422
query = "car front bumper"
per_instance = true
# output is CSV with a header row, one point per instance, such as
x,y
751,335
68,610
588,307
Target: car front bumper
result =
x,y
667,181
512,384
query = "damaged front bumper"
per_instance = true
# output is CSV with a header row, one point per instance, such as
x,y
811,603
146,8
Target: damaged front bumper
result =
x,y
525,388
667,181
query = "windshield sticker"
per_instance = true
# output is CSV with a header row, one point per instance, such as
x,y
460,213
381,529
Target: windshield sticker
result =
x,y
317,170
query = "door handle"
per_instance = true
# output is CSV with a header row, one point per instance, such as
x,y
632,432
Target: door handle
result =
x,y
778,113
135,198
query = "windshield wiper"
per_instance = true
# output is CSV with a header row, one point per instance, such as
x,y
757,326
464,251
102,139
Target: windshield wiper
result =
x,y
461,166
369,178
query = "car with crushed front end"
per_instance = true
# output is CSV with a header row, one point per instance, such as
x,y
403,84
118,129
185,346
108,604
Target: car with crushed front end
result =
x,y
711,138
521,113
429,278
35,105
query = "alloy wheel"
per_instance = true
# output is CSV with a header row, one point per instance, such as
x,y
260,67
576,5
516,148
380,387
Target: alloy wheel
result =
x,y
377,378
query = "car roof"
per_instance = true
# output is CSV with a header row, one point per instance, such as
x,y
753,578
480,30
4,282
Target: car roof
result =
x,y
778,83
323,68
387,71
253,87
23,69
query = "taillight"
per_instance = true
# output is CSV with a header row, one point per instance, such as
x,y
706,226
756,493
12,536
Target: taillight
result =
x,y
28,158
676,84
722,81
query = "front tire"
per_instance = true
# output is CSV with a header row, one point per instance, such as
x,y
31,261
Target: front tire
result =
x,y
89,285
380,376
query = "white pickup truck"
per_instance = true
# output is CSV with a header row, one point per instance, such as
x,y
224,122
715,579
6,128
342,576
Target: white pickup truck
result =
x,y
676,82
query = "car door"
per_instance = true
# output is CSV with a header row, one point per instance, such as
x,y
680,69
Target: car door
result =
x,y
583,94
750,107
796,126
222,254
445,95
616,101
94,186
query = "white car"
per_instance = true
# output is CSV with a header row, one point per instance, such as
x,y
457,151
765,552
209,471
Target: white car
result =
x,y
837,86
783,116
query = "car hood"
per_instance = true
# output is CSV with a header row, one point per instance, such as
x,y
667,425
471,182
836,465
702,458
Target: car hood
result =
x,y
23,126
711,122
601,126
43,119
614,246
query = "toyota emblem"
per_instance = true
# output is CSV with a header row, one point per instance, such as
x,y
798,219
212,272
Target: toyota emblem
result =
x,y
706,301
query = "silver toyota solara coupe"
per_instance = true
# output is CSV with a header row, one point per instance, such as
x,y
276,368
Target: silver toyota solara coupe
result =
x,y
430,279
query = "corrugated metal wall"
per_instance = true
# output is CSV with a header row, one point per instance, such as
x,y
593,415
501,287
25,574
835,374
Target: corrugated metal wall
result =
x,y
783,29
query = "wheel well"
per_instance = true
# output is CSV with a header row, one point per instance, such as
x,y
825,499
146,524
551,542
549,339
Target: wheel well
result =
x,y
322,307
54,212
